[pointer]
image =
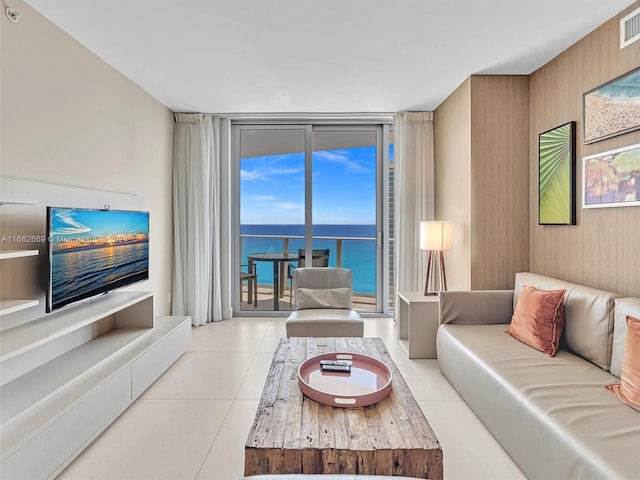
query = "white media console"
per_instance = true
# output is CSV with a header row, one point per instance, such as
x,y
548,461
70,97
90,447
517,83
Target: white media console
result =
x,y
51,412
66,376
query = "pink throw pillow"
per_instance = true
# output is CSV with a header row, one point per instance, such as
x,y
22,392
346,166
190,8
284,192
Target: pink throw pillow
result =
x,y
539,319
628,390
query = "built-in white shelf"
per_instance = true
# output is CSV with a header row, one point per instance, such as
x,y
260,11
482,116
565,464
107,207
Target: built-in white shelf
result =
x,y
65,376
28,336
11,201
39,399
12,306
5,254
31,390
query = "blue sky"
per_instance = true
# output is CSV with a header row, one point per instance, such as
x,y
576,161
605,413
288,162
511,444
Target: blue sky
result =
x,y
344,188
97,223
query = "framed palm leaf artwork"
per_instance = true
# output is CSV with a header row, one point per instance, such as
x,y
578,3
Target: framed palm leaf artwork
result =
x,y
556,185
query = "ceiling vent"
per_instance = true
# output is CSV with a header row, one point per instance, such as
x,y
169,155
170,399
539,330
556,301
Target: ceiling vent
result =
x,y
630,28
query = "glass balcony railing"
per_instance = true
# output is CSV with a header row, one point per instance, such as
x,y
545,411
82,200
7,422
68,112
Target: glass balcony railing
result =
x,y
358,253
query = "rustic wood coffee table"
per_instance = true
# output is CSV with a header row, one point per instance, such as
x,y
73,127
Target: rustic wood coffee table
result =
x,y
294,434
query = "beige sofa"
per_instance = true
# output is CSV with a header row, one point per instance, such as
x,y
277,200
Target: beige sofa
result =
x,y
552,415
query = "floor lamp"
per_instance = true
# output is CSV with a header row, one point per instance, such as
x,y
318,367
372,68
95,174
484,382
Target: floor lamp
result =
x,y
436,237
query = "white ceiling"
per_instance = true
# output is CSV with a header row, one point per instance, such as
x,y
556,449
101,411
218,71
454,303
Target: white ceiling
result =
x,y
303,56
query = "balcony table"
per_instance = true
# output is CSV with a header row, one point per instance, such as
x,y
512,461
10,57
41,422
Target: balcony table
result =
x,y
277,259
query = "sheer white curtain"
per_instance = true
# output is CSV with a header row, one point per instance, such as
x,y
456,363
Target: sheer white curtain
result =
x,y
414,197
196,218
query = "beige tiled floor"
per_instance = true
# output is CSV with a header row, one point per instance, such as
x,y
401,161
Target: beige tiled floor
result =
x,y
193,422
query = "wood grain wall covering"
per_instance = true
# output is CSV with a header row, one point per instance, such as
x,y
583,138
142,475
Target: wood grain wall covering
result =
x,y
481,153
452,133
499,201
603,249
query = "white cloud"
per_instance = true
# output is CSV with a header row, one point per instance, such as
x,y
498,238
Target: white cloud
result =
x,y
274,212
269,205
72,226
249,176
342,157
266,174
261,198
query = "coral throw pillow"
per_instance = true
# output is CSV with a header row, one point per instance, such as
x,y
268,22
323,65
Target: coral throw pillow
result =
x,y
539,319
628,390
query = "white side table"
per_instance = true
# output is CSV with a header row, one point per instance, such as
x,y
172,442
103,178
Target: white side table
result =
x,y
418,320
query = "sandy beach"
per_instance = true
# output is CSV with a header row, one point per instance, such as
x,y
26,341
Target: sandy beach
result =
x,y
603,118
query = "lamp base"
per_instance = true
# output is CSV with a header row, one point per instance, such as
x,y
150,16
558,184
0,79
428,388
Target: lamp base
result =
x,y
435,256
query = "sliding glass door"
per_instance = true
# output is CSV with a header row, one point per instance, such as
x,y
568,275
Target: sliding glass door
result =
x,y
344,204
308,195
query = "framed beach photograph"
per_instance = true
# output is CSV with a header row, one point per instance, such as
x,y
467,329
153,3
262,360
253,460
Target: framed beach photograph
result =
x,y
613,108
612,179
556,180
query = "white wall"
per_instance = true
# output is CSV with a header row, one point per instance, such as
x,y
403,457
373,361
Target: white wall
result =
x,y
69,118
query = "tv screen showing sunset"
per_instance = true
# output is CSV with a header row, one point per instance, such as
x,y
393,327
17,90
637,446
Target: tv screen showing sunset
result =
x,y
95,251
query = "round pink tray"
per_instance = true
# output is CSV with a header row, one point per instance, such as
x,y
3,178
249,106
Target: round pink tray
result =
x,y
368,382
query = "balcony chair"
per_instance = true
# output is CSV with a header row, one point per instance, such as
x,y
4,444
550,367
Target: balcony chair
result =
x,y
251,277
319,258
323,304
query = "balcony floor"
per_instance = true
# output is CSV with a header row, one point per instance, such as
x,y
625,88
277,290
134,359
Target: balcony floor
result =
x,y
364,303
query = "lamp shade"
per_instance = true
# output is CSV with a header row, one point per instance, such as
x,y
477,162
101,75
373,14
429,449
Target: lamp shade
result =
x,y
436,236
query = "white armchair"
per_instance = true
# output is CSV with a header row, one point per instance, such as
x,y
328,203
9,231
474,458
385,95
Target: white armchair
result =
x,y
323,304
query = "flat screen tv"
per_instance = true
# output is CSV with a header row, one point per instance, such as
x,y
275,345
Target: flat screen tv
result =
x,y
92,252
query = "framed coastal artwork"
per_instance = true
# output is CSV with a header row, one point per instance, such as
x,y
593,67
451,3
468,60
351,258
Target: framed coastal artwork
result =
x,y
613,108
556,180
612,179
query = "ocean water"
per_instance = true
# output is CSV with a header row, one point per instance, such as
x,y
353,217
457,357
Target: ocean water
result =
x,y
625,91
83,273
358,253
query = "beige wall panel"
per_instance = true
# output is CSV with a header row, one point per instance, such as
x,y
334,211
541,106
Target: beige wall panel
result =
x,y
499,179
481,146
452,136
602,250
69,118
